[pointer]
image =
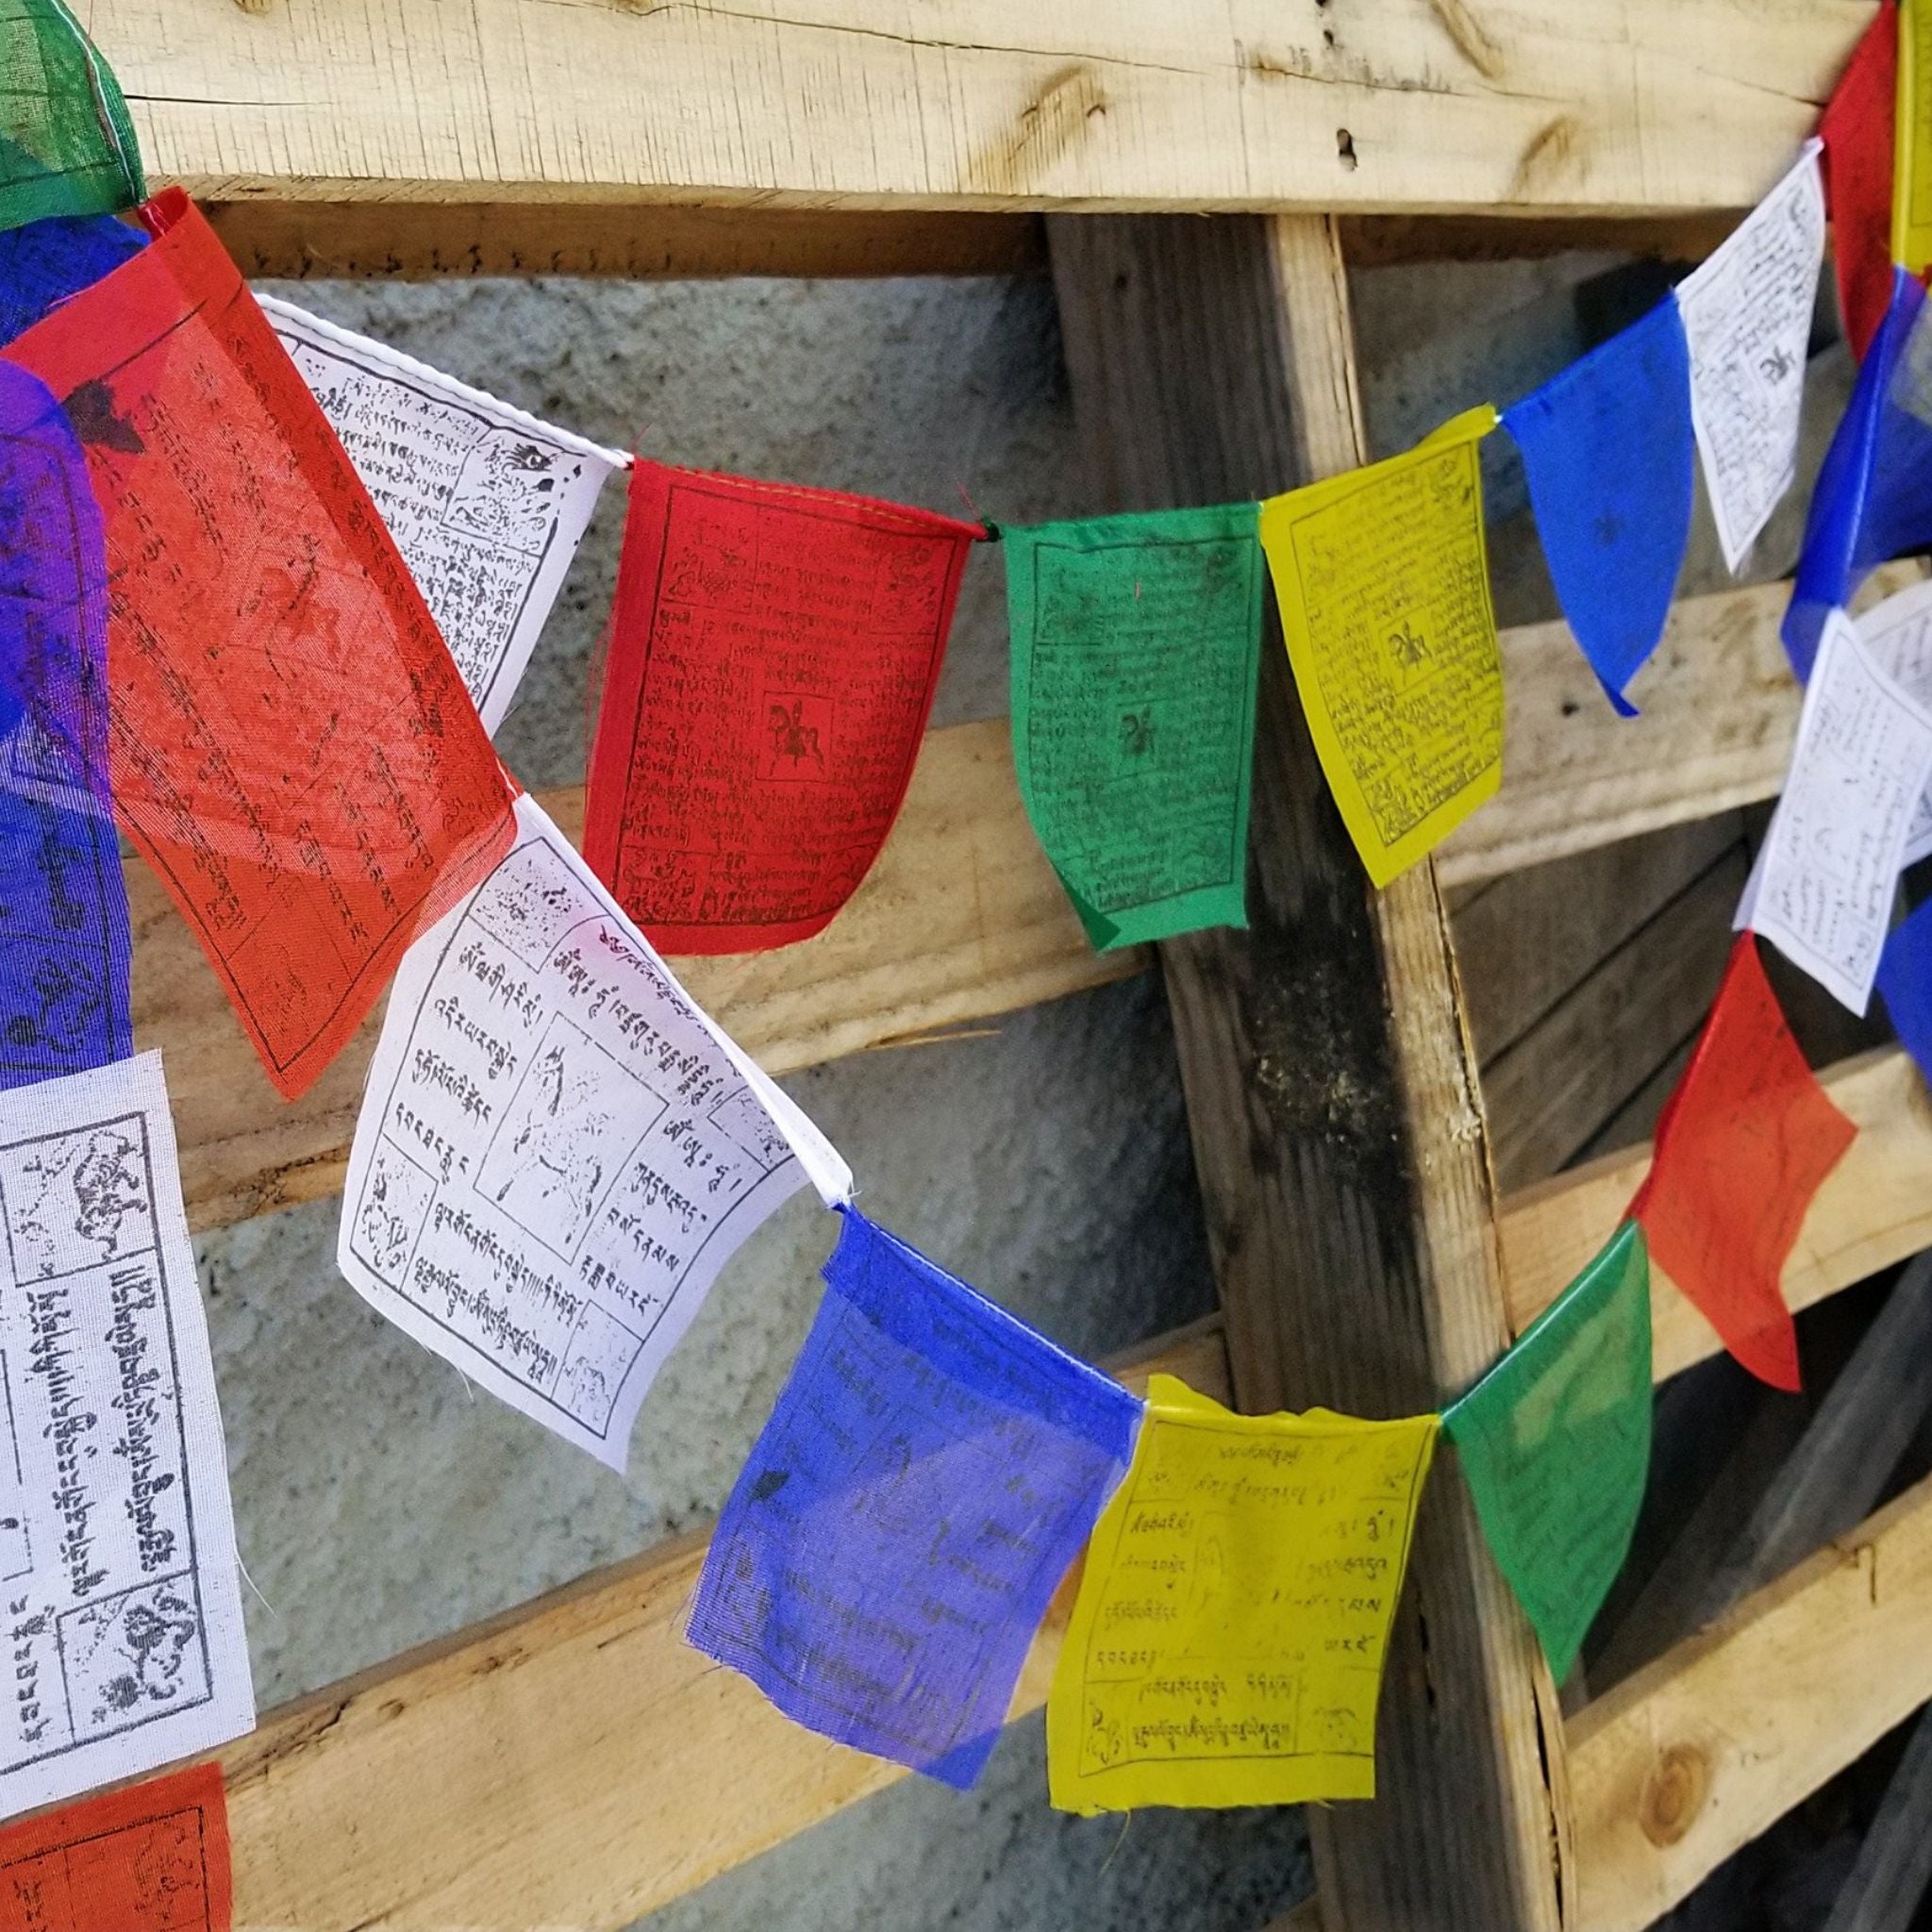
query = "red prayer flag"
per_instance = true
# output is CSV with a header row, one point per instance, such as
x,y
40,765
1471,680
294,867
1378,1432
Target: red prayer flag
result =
x,y
292,748
773,657
1859,135
151,1858
1741,1146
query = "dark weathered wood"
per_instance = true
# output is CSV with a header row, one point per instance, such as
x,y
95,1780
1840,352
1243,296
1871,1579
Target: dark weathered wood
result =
x,y
1330,1089
1895,1861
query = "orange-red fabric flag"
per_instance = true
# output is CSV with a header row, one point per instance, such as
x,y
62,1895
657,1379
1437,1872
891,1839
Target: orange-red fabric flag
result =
x,y
1860,139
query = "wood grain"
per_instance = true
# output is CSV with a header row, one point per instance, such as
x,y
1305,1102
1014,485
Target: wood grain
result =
x,y
1330,1089
1390,106
960,919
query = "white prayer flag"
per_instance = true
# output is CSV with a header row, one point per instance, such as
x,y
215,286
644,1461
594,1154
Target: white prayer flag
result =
x,y
1898,637
557,1150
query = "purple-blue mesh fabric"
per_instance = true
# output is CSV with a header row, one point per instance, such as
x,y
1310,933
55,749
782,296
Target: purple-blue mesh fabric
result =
x,y
1610,453
932,1468
1873,499
44,262
64,942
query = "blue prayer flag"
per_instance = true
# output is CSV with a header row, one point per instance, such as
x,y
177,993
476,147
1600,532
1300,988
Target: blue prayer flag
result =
x,y
1609,452
1874,498
44,262
1904,983
932,1468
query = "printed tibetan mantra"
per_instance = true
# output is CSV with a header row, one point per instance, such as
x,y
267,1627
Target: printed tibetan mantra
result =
x,y
1383,582
1135,643
556,1150
1226,1645
292,748
931,1470
774,653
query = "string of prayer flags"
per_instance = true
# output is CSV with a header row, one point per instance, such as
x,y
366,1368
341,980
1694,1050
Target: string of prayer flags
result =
x,y
1136,641
151,1858
1897,637
1912,180
64,940
930,1471
1856,130
1873,495
1555,1443
557,1150
1228,1640
1743,1143
1608,451
44,262
1383,582
1822,889
487,502
116,1540
773,657
1747,314
66,145
292,747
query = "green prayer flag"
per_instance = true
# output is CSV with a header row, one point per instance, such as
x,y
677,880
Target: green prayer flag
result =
x,y
1555,1442
67,147
1135,646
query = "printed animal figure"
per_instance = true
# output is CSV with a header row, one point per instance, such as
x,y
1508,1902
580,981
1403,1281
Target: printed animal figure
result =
x,y
1776,366
1137,732
792,738
157,1640
1410,650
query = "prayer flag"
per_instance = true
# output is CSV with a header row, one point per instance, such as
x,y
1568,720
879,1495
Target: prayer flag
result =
x,y
931,1470
292,748
1857,129
1911,180
1897,637
1384,588
1136,640
1741,1146
1905,982
1608,451
66,145
44,262
774,653
1555,1442
1228,1640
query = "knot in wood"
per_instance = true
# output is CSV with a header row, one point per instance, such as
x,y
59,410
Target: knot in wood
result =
x,y
1674,1795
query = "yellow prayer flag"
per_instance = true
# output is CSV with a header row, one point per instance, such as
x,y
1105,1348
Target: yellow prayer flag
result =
x,y
1911,164
1227,1643
1383,582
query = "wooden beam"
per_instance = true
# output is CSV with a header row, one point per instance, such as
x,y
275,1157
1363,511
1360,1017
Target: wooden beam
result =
x,y
415,241
1331,1096
1692,1758
1873,1209
1383,240
573,1764
1393,105
961,917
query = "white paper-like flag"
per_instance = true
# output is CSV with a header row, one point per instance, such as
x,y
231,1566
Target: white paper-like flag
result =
x,y
487,502
558,1150
1747,314
1822,889
117,1547
1898,636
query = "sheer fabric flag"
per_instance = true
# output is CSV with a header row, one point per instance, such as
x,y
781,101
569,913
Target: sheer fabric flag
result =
x,y
1743,1143
66,145
1897,637
557,1150
1874,498
293,750
1384,587
64,940
487,502
1904,983
1857,129
930,1471
1136,641
1228,1640
151,1858
1555,1443
1608,451
1911,180
45,262
773,657
1747,313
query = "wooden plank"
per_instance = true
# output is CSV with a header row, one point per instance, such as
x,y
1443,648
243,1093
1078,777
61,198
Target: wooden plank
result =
x,y
414,241
961,917
1382,240
1719,709
1873,1209
573,1764
1417,106
1556,1084
1895,1864
1689,1759
1331,1095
